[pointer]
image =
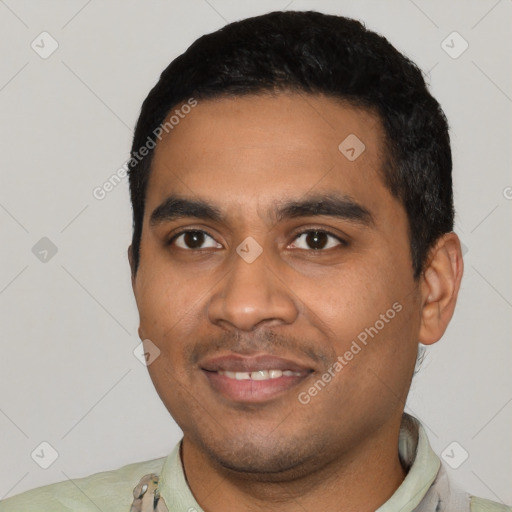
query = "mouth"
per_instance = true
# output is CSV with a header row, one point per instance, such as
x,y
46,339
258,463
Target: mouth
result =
x,y
259,374
255,379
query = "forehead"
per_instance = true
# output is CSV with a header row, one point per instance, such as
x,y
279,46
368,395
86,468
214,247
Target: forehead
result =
x,y
265,148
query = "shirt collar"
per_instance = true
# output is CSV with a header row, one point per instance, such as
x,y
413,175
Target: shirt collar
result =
x,y
416,454
173,485
414,451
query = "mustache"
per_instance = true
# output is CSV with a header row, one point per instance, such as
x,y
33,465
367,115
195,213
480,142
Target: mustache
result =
x,y
263,340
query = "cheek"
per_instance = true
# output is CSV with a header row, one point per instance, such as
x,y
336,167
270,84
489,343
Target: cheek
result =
x,y
352,299
388,352
372,315
165,303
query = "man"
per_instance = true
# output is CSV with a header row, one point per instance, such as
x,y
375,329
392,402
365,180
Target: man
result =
x,y
292,245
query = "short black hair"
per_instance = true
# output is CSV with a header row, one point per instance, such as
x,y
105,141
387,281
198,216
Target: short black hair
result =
x,y
311,52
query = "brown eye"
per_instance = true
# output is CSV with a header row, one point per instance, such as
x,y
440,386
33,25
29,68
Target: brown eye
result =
x,y
317,240
194,239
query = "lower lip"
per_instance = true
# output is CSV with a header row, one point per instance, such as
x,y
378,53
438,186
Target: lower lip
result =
x,y
252,391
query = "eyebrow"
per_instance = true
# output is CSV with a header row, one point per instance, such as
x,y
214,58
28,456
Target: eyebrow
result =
x,y
330,205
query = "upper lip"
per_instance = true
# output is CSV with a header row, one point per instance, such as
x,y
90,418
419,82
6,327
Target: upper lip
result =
x,y
239,363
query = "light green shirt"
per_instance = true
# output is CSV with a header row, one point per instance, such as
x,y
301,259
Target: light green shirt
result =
x,y
112,491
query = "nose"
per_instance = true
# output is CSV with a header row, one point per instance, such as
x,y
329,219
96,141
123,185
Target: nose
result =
x,y
252,294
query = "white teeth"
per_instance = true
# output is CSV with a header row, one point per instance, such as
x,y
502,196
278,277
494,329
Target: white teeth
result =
x,y
259,375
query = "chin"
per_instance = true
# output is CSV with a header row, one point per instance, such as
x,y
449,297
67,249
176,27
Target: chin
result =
x,y
260,459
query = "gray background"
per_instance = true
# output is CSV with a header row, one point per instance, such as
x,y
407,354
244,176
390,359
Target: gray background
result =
x,y
68,374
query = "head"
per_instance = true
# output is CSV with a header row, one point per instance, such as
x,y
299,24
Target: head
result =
x,y
310,169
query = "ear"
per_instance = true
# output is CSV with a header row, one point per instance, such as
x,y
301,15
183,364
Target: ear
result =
x,y
132,268
440,283
132,264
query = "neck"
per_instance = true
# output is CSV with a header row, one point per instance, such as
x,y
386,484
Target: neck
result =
x,y
362,479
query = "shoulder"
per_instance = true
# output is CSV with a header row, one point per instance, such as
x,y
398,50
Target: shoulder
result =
x,y
108,490
483,505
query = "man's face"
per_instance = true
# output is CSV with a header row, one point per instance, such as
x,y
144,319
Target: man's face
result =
x,y
244,336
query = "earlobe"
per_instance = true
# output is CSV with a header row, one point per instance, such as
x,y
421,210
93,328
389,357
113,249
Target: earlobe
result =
x,y
440,284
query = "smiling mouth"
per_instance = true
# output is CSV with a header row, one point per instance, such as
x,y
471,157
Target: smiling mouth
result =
x,y
260,374
253,379
256,387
